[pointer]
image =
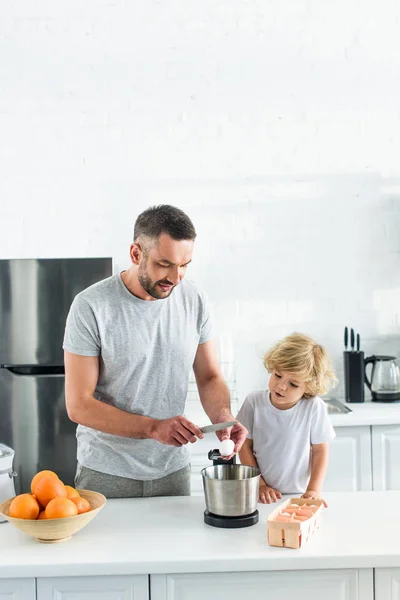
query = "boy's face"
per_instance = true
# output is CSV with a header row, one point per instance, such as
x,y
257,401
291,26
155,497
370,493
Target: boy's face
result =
x,y
286,388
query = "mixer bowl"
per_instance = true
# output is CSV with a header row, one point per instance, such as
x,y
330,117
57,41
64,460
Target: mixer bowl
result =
x,y
231,490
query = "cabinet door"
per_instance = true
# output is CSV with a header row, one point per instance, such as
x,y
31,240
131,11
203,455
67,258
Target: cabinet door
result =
x,y
385,453
387,584
17,589
350,467
302,585
199,459
123,587
196,482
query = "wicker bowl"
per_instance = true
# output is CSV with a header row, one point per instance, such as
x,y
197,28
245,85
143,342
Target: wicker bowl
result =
x,y
57,530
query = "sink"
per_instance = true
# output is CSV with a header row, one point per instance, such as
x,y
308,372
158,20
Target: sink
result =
x,y
335,407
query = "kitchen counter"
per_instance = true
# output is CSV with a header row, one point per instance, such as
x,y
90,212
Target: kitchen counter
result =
x,y
168,535
368,413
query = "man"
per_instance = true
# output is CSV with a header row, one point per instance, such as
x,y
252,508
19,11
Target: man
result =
x,y
130,343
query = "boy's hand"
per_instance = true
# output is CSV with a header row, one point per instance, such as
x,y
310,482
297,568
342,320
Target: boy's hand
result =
x,y
314,494
267,494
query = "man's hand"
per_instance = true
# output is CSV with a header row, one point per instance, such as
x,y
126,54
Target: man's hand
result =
x,y
314,494
267,494
176,431
237,434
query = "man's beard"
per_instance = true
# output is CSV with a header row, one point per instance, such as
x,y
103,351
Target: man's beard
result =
x,y
150,287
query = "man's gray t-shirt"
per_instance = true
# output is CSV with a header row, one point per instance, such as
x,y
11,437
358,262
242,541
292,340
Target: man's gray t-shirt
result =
x,y
146,350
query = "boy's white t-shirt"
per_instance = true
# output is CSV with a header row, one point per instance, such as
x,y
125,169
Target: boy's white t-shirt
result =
x,y
282,438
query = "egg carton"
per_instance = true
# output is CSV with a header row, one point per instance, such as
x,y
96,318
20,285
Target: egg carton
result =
x,y
293,522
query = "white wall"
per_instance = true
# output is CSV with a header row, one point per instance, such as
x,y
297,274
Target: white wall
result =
x,y
275,125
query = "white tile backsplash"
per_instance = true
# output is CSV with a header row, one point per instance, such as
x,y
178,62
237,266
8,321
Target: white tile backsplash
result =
x,y
274,125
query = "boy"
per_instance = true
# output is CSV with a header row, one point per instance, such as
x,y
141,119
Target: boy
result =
x,y
289,428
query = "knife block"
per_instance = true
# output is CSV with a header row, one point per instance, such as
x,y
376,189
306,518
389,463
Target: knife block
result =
x,y
353,376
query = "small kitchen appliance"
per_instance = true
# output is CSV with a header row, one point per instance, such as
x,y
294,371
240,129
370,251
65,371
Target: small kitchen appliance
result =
x,y
231,492
7,475
385,378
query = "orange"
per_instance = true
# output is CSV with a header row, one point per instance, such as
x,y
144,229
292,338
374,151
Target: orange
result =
x,y
49,488
24,506
42,515
40,506
40,476
58,508
82,505
71,492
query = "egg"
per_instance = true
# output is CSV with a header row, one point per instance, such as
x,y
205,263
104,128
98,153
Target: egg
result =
x,y
303,512
226,447
283,519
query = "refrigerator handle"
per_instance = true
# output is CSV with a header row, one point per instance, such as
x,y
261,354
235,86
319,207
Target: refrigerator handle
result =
x,y
35,370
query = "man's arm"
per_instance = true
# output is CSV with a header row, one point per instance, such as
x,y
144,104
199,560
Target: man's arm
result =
x,y
214,393
81,376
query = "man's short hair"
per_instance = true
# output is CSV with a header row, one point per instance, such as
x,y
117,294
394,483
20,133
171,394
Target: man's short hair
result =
x,y
164,218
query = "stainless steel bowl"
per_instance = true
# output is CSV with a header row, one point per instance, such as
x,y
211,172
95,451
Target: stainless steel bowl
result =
x,y
231,490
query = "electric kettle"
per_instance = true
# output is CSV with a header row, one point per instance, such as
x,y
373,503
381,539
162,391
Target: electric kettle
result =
x,y
7,475
385,378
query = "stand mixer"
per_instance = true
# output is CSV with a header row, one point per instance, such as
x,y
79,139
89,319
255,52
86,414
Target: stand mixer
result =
x,y
231,492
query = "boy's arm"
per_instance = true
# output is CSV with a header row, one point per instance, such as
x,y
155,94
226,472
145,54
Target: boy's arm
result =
x,y
266,493
319,465
246,454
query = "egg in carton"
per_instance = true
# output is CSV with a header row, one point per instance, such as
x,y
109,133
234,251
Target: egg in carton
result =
x,y
294,521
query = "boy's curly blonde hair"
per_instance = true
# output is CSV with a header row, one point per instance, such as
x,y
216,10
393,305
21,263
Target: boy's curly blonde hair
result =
x,y
300,354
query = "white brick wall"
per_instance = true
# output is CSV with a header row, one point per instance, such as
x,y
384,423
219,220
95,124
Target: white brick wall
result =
x,y
275,124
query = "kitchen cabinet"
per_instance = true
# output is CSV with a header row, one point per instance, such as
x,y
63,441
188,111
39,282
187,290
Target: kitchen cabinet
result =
x,y
387,584
385,457
338,584
17,589
199,459
350,465
335,584
123,587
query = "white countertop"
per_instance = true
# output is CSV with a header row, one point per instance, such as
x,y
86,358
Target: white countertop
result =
x,y
168,535
368,413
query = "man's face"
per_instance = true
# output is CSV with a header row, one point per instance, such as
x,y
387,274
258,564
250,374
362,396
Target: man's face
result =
x,y
164,265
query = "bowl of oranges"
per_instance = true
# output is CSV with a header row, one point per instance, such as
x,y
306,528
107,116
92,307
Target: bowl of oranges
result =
x,y
52,511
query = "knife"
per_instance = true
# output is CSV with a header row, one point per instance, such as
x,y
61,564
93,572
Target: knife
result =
x,y
352,339
358,342
346,337
217,426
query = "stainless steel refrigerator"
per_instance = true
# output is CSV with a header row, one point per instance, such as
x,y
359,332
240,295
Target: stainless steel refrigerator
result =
x,y
35,296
